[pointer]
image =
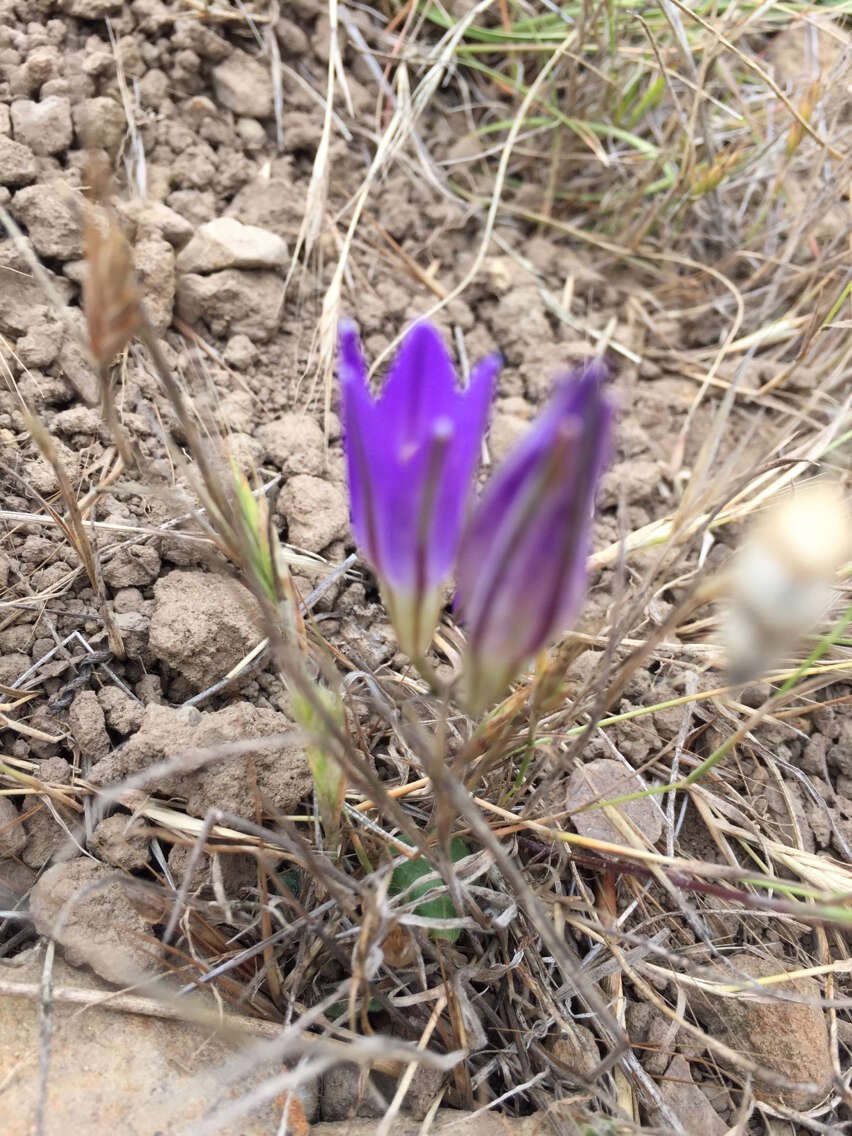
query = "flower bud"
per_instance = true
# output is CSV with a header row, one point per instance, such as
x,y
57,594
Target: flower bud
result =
x,y
522,563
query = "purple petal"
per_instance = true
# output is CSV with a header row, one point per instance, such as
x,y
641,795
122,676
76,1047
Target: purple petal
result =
x,y
421,387
366,462
521,572
411,457
460,463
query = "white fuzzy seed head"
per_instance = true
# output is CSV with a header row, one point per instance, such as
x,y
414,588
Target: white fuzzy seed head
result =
x,y
783,576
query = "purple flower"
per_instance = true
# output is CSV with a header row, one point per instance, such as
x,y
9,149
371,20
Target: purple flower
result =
x,y
411,455
522,562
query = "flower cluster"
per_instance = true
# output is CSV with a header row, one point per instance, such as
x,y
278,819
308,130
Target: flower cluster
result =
x,y
519,555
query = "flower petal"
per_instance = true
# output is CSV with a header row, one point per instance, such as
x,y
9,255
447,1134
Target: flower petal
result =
x,y
522,571
421,387
410,458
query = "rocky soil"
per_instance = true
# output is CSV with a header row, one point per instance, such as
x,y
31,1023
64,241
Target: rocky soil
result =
x,y
213,167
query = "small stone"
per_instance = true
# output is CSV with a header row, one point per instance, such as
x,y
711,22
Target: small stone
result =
x,y
12,835
294,442
578,1051
44,127
90,9
120,841
99,123
244,85
317,512
88,725
788,1037
141,216
86,908
246,452
603,780
117,1072
40,346
17,164
252,135
202,625
687,1102
291,38
233,301
228,243
123,713
52,224
240,352
135,565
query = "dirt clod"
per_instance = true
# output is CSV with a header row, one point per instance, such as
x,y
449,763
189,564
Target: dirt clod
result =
x,y
12,834
242,84
790,1038
44,127
317,512
51,223
202,625
295,443
606,779
85,907
86,718
276,769
123,713
119,840
233,301
17,164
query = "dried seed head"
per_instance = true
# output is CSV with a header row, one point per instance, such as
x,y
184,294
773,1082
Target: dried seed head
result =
x,y
783,577
111,298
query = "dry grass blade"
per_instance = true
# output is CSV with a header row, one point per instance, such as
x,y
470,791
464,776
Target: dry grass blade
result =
x,y
553,181
75,530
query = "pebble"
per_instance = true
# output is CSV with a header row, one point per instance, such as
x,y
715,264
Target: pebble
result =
x,y
17,163
44,127
233,301
228,243
244,85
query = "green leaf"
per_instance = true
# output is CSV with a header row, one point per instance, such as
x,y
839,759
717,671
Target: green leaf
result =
x,y
405,877
329,778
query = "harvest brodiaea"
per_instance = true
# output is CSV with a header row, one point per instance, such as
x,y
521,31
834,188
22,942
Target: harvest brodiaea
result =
x,y
519,556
